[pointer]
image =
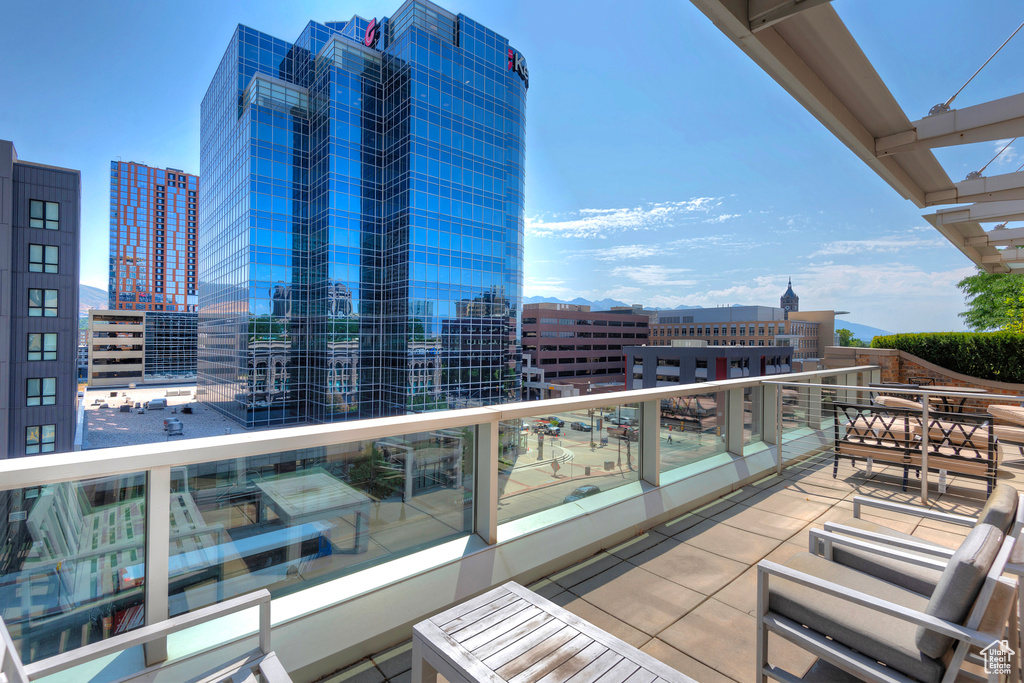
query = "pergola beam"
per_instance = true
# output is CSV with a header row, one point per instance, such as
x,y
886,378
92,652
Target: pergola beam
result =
x,y
764,13
1008,186
999,238
1013,256
996,120
985,212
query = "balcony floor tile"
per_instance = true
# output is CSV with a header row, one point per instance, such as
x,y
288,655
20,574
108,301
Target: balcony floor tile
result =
x,y
638,597
689,566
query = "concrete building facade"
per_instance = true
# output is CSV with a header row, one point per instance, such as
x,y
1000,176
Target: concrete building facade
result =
x,y
39,246
575,346
808,332
140,347
687,363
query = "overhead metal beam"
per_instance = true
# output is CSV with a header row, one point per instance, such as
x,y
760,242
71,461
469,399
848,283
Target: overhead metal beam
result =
x,y
999,238
1008,186
985,212
764,13
1003,118
962,235
1010,256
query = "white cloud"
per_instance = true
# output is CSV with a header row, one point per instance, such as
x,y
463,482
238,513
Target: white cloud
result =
x,y
888,244
603,222
1011,157
654,275
721,218
540,286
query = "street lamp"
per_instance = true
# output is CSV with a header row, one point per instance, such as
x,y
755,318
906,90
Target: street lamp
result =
x,y
591,411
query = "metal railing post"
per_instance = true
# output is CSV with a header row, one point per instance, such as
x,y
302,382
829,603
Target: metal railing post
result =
x,y
650,442
485,498
924,447
158,548
770,409
734,421
265,647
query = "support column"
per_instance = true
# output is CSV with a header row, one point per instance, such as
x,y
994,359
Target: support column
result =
x,y
734,421
158,548
650,442
485,498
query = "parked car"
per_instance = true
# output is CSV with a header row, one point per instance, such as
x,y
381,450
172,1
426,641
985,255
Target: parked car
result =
x,y
580,427
625,432
557,421
550,430
581,492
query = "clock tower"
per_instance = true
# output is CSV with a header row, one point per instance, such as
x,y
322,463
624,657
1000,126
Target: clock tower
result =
x,y
789,302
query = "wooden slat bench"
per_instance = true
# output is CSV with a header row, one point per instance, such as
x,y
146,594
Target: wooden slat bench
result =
x,y
513,635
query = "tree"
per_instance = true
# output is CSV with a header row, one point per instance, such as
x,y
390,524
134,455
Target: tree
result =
x,y
993,301
846,338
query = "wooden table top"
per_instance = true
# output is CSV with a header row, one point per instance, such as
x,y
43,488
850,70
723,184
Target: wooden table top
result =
x,y
512,634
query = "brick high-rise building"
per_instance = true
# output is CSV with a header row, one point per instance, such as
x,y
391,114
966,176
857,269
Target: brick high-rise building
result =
x,y
153,235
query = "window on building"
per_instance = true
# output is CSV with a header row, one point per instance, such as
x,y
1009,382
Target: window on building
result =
x,y
40,439
42,346
42,258
43,214
41,391
42,303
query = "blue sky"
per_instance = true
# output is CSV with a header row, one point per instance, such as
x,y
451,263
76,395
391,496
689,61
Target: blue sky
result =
x,y
663,166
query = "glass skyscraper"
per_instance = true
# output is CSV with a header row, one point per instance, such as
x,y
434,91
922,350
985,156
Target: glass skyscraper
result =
x,y
362,220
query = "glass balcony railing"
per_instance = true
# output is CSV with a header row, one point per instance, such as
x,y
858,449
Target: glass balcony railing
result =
x,y
98,543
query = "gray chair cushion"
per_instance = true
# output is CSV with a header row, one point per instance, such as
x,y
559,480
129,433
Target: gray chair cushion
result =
x,y
1001,508
876,635
910,576
959,586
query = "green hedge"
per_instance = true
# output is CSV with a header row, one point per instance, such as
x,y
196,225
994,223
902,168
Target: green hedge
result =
x,y
997,356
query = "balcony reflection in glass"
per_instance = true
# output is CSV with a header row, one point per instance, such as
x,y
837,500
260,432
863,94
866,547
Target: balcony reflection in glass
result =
x,y
692,428
562,457
288,520
67,551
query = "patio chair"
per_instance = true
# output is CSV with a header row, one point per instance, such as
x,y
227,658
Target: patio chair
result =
x,y
879,631
1004,510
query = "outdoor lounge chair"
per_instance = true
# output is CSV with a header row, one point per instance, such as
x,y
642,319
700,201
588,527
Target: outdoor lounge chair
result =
x,y
879,631
1004,510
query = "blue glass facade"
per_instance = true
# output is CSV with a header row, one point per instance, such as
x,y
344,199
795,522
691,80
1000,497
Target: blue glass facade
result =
x,y
362,220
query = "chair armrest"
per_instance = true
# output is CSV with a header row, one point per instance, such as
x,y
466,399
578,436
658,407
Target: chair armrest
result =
x,y
827,540
766,569
871,536
915,510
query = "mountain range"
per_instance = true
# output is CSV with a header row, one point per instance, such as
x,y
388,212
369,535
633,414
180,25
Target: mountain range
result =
x,y
90,297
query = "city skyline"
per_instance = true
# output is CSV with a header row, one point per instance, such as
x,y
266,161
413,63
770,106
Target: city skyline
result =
x,y
676,174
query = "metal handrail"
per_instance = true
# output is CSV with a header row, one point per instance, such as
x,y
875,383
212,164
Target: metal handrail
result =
x,y
145,634
922,392
37,470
